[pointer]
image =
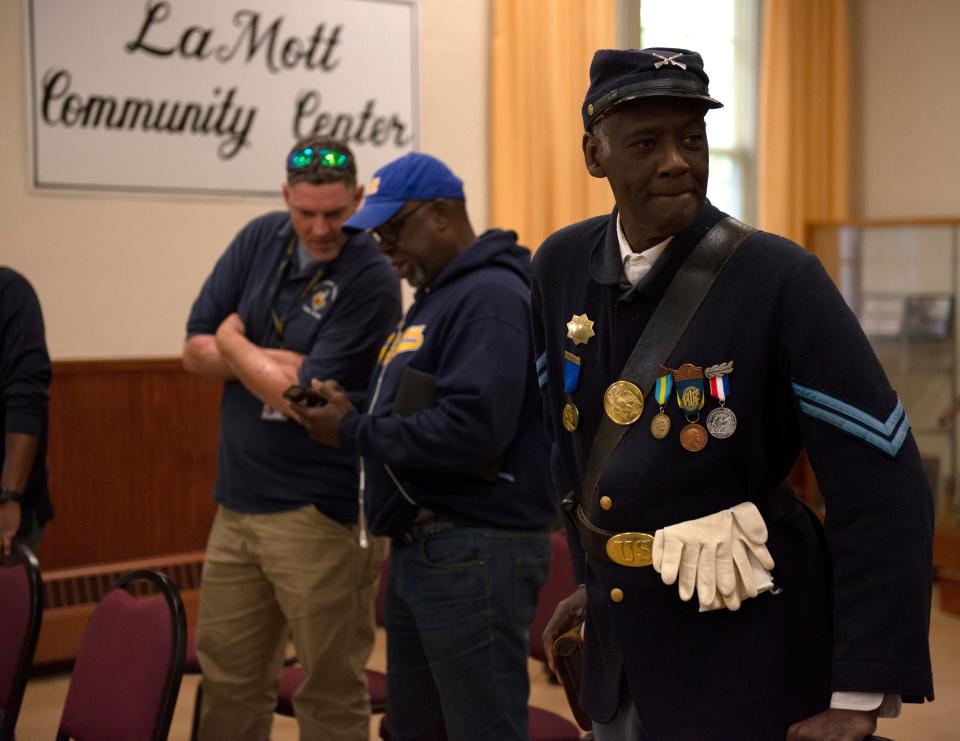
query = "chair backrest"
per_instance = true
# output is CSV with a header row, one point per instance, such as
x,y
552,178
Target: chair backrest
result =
x,y
128,667
21,612
559,585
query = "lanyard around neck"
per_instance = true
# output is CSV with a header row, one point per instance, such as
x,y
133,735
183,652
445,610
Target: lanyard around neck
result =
x,y
280,319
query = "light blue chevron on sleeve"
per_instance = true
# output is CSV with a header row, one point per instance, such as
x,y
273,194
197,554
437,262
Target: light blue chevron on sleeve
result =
x,y
885,435
542,369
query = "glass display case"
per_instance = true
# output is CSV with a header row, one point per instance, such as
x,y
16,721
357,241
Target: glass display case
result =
x,y
901,280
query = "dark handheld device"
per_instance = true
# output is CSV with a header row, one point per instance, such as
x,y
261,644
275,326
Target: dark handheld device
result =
x,y
304,396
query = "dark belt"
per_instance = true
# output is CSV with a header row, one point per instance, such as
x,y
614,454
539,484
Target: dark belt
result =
x,y
429,525
634,548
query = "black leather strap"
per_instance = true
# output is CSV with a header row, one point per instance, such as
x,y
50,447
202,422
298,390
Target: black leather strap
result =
x,y
662,334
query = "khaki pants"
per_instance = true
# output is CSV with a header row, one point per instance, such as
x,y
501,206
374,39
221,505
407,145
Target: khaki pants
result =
x,y
261,575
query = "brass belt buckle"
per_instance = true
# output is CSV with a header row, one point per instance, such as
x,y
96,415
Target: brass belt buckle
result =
x,y
631,549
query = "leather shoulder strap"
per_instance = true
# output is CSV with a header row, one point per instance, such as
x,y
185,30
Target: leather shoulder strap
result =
x,y
662,334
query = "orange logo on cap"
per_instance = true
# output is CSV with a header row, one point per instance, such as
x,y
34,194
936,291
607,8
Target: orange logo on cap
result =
x,y
373,187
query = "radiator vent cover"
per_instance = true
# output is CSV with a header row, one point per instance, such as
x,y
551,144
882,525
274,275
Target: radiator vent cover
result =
x,y
88,585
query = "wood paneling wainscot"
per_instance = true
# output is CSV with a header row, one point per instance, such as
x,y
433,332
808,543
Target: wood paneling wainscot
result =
x,y
132,457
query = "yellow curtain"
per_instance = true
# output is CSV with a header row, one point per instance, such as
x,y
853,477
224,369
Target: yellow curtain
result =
x,y
804,116
540,62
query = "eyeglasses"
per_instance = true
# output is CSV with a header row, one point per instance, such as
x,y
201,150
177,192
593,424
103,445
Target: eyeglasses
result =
x,y
328,158
390,231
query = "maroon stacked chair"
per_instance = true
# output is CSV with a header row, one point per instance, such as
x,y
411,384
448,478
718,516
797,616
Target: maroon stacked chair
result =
x,y
128,666
21,612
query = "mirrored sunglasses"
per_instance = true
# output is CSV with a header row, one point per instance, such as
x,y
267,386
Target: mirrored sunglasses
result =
x,y
306,156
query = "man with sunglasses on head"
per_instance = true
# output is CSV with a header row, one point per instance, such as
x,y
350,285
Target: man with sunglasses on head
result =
x,y
292,298
453,457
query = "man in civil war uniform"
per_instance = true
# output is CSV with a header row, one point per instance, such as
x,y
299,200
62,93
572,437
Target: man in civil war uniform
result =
x,y
685,360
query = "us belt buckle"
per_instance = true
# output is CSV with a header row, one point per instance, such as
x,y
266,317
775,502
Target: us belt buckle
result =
x,y
631,549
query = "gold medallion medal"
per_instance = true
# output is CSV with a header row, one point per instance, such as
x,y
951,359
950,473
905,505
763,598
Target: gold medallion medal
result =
x,y
660,426
623,402
693,437
571,416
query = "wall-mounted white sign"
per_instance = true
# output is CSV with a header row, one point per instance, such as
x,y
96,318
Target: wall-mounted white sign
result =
x,y
207,96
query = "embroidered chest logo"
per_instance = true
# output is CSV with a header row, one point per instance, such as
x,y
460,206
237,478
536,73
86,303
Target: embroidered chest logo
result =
x,y
324,295
410,340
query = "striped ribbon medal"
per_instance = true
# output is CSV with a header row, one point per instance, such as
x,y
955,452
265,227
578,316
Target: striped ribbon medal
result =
x,y
721,422
660,426
688,379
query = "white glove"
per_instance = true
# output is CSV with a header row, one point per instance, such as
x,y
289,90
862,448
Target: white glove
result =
x,y
761,581
723,555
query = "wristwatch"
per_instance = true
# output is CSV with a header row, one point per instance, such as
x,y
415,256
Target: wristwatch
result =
x,y
10,495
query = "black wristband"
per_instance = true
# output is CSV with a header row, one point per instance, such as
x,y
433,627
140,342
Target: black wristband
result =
x,y
9,495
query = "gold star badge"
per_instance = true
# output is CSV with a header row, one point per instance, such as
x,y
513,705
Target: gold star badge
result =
x,y
580,329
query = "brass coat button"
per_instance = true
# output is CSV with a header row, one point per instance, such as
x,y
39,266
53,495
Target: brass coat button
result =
x,y
616,594
606,503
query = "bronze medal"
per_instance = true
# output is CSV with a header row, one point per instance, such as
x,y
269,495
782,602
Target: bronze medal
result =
x,y
660,426
721,423
571,416
693,437
623,402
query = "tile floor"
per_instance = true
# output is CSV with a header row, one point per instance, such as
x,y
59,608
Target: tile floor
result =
x,y
939,721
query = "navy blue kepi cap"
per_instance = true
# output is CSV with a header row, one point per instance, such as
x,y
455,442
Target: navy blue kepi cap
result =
x,y
413,177
619,75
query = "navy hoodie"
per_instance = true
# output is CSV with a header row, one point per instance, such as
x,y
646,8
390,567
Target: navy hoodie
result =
x,y
470,331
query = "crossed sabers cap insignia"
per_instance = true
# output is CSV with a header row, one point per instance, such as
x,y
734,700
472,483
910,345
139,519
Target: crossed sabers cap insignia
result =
x,y
664,60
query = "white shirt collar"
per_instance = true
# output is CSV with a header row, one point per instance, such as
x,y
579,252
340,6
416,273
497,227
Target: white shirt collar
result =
x,y
637,264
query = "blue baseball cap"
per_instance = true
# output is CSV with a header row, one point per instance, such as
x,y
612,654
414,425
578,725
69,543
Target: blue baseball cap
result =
x,y
413,177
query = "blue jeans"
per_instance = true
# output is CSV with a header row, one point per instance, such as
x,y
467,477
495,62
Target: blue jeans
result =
x,y
458,611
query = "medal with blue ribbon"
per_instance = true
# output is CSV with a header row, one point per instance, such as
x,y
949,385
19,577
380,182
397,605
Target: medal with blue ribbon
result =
x,y
660,426
721,422
580,330
571,377
688,379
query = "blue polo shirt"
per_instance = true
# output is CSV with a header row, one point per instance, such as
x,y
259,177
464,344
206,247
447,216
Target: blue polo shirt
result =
x,y
267,465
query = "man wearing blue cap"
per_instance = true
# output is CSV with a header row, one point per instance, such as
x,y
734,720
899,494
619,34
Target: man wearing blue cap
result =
x,y
292,297
687,359
453,458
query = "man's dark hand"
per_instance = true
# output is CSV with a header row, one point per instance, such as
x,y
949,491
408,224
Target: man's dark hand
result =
x,y
835,725
323,422
9,524
570,613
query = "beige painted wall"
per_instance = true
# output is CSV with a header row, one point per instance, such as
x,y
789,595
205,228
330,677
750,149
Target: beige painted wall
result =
x,y
116,275
906,75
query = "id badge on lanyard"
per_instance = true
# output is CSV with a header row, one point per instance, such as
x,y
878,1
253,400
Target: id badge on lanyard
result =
x,y
279,319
